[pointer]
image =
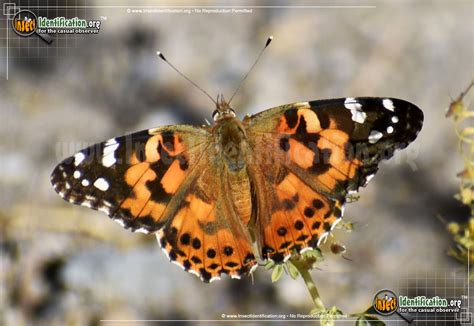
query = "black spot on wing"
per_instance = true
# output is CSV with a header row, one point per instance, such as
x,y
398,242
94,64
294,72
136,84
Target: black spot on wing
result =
x,y
196,243
158,193
321,161
211,253
278,258
228,251
281,231
231,264
206,276
323,118
288,204
291,116
318,204
302,127
299,225
309,212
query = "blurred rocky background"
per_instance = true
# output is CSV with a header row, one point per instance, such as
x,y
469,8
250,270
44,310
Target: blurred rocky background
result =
x,y
68,265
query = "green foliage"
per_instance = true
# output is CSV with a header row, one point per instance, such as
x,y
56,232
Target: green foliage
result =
x,y
277,273
292,270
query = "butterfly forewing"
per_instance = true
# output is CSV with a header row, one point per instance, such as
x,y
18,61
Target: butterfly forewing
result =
x,y
131,178
321,150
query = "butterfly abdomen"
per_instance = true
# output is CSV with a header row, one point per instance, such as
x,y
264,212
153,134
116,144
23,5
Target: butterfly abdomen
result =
x,y
239,185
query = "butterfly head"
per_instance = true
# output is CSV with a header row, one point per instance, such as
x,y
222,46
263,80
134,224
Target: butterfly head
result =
x,y
223,109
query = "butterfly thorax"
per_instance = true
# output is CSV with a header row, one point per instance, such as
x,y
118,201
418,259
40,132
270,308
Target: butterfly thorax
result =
x,y
230,141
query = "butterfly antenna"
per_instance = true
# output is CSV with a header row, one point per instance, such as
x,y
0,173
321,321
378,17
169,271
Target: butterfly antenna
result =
x,y
184,76
267,43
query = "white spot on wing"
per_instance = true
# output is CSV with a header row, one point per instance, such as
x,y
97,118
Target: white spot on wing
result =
x,y
77,174
177,263
123,225
101,184
111,141
107,203
212,279
375,136
104,209
394,119
192,271
109,160
86,204
388,104
85,182
355,107
142,230
389,129
359,116
108,156
78,158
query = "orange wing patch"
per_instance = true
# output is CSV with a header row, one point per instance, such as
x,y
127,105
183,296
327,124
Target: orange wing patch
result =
x,y
335,166
301,111
318,152
158,172
203,245
302,219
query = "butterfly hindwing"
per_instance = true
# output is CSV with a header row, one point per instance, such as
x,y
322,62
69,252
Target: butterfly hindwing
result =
x,y
204,234
131,178
321,151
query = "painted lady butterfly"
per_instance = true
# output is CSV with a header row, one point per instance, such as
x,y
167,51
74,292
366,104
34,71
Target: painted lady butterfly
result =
x,y
278,178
